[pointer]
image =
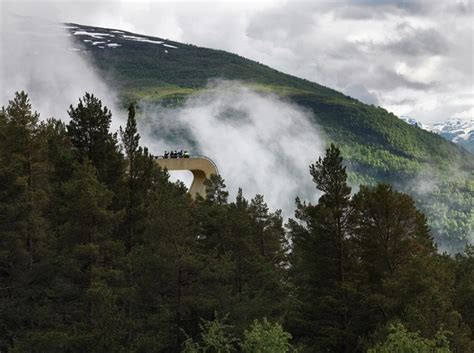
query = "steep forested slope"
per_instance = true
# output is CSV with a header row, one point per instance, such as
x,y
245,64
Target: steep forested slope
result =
x,y
376,144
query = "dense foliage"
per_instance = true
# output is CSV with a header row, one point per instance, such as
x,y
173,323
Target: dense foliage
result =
x,y
100,252
378,147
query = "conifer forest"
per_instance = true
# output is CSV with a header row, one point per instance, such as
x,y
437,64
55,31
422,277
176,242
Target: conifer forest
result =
x,y
101,252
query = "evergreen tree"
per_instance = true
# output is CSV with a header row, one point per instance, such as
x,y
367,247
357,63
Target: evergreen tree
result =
x,y
463,298
389,232
25,146
332,210
14,256
215,190
90,136
249,241
90,262
60,153
266,262
130,138
327,306
141,177
402,271
25,255
167,266
465,286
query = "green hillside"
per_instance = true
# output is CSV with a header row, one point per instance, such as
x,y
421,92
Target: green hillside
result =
x,y
377,146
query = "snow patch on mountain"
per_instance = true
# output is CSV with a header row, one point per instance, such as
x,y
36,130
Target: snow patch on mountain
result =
x,y
414,122
457,130
85,33
93,35
141,39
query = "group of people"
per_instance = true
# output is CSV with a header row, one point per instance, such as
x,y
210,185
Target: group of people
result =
x,y
176,154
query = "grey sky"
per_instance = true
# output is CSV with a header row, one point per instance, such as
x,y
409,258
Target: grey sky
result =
x,y
413,57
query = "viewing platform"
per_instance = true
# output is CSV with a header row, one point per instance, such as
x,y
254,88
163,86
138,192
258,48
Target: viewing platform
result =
x,y
202,168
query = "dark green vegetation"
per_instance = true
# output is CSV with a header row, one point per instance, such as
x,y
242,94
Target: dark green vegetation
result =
x,y
377,145
95,261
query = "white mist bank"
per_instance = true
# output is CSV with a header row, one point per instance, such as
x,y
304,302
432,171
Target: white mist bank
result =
x,y
258,141
429,182
39,57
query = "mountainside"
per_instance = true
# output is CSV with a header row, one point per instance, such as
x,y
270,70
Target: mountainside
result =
x,y
375,143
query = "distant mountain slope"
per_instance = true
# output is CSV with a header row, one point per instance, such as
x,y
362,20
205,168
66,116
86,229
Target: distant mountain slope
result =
x,y
459,131
415,122
376,144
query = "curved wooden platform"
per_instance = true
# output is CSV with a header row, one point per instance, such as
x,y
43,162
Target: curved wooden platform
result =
x,y
201,167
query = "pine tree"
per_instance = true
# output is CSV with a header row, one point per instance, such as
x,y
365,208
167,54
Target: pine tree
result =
x,y
464,293
167,264
140,176
323,270
249,241
90,136
60,153
14,256
26,147
465,285
330,177
266,261
90,263
130,138
406,280
24,229
389,230
215,190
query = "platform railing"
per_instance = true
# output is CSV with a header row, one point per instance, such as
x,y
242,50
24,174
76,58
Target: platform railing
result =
x,y
197,156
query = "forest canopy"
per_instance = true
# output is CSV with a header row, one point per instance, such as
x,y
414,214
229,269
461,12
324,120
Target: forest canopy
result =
x,y
101,252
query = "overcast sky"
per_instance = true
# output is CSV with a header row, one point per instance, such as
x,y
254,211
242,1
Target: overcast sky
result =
x,y
413,57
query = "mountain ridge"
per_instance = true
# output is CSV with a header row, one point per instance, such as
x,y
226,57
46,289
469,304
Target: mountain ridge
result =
x,y
376,144
457,130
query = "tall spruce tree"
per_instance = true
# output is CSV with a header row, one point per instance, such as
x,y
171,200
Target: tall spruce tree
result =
x,y
24,230
91,271
26,147
141,172
140,178
14,256
90,136
168,266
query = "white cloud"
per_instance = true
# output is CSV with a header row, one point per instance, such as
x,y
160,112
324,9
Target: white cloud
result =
x,y
258,141
36,56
